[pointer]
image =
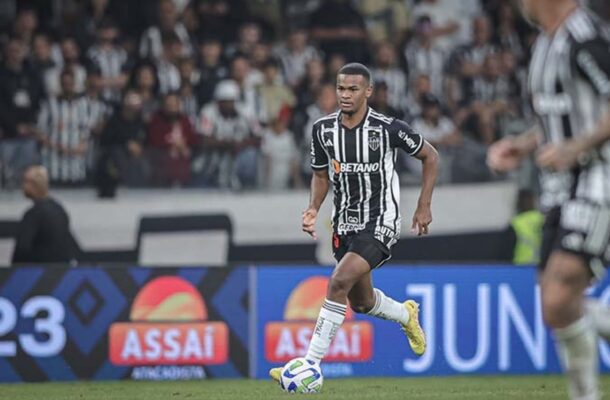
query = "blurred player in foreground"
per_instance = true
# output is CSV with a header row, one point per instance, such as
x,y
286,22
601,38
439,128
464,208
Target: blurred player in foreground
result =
x,y
569,84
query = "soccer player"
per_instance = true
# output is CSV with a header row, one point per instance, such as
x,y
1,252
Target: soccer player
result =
x,y
355,149
569,84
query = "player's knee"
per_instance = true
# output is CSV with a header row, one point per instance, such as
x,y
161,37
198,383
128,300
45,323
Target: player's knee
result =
x,y
556,306
340,284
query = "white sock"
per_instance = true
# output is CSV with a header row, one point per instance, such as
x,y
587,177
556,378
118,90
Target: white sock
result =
x,y
329,320
600,316
577,347
387,308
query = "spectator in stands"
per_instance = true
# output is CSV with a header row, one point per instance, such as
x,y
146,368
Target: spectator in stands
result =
x,y
294,56
230,141
339,28
110,59
440,131
168,73
212,69
423,55
219,17
385,20
420,86
172,140
249,36
151,44
20,95
146,84
467,61
386,70
98,111
326,103
490,98
307,90
122,148
273,95
280,154
507,31
261,54
380,101
44,233
65,127
25,27
444,21
189,78
334,64
247,79
71,59
41,58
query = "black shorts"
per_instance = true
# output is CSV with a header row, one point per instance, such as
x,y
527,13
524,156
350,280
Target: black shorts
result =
x,y
581,228
365,245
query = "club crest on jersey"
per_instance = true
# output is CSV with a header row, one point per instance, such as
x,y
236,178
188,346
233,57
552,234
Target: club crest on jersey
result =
x,y
374,142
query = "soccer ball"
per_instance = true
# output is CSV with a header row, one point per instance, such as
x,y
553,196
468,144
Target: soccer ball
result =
x,y
301,376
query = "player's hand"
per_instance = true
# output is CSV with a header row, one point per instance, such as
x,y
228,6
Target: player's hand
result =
x,y
421,219
309,222
558,157
504,155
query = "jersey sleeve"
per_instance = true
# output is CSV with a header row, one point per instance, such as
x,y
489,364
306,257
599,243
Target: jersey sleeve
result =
x,y
403,136
593,63
319,158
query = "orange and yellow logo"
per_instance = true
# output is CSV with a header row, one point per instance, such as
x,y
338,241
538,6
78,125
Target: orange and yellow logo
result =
x,y
168,328
289,339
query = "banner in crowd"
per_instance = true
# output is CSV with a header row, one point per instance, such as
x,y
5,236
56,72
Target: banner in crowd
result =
x,y
478,319
117,323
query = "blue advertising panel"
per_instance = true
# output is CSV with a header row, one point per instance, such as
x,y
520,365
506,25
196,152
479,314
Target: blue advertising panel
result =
x,y
478,319
122,323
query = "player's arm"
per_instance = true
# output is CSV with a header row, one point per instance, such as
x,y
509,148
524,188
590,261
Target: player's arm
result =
x,y
593,65
423,213
404,137
320,183
508,153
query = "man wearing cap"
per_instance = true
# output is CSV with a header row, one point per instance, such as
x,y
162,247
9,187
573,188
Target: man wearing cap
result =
x,y
230,141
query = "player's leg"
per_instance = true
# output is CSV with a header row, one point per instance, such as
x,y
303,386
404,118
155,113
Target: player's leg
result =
x,y
350,270
600,316
364,298
563,284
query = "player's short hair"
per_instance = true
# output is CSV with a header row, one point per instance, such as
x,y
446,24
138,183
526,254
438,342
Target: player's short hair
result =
x,y
356,69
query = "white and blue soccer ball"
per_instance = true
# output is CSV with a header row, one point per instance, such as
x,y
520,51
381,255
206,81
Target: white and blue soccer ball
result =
x,y
301,376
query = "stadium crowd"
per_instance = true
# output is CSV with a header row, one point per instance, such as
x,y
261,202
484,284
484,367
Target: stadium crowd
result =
x,y
223,93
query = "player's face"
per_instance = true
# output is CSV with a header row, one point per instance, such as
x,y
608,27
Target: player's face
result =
x,y
352,92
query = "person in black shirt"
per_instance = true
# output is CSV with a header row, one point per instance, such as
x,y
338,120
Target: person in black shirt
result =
x,y
44,232
121,143
339,29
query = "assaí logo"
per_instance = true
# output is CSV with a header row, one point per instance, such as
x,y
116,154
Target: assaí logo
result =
x,y
168,327
288,339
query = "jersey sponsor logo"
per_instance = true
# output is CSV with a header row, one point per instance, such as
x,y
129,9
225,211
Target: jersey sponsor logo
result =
x,y
559,103
374,142
285,340
598,77
408,140
349,227
355,168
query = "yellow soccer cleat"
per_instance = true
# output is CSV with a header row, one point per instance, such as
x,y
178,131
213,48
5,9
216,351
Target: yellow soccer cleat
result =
x,y
275,374
413,330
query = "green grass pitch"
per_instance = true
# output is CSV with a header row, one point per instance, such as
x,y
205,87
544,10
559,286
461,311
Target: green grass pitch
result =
x,y
466,387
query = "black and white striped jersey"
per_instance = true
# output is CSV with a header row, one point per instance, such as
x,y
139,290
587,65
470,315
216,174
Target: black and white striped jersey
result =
x,y
361,162
569,83
66,123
